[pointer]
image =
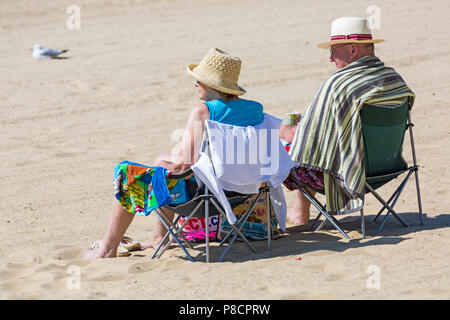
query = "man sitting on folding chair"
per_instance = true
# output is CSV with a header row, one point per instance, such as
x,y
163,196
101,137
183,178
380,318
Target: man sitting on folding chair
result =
x,y
327,143
217,82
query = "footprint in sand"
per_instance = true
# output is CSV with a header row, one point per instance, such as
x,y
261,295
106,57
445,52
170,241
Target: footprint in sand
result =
x,y
339,277
333,271
51,267
427,292
110,277
142,267
328,267
62,154
14,271
14,286
68,253
48,273
55,286
21,280
7,274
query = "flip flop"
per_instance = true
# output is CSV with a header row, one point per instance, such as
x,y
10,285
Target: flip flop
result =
x,y
290,221
123,254
125,248
133,247
125,241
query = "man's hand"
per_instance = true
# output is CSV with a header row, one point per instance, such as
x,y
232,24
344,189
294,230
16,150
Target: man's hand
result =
x,y
287,132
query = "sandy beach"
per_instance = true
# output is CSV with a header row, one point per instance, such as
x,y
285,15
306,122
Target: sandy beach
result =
x,y
124,91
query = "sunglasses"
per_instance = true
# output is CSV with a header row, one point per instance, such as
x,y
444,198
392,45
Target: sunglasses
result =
x,y
333,50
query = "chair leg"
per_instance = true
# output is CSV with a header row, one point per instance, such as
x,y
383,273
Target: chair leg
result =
x,y
235,230
382,223
413,149
322,210
321,224
388,202
363,224
317,204
176,229
240,223
174,236
388,207
419,200
236,233
315,220
207,225
162,215
269,224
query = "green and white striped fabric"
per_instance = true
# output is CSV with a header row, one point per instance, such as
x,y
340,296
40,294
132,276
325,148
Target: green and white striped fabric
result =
x,y
329,136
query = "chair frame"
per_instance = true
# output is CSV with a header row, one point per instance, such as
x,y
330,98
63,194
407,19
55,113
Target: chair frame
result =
x,y
394,197
207,198
174,231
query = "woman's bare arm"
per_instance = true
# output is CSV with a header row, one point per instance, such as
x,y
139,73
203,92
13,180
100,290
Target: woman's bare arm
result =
x,y
192,138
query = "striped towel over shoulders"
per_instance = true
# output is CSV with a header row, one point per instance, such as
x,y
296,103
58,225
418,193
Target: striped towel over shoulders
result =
x,y
329,136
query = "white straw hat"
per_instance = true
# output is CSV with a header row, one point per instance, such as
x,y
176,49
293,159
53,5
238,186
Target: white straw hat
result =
x,y
349,30
219,71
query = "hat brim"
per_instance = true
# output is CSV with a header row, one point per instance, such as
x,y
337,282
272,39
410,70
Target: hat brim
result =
x,y
190,71
328,44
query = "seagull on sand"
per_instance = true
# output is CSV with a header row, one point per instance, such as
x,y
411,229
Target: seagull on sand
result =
x,y
43,53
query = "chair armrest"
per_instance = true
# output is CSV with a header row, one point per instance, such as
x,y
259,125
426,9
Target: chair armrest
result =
x,y
182,175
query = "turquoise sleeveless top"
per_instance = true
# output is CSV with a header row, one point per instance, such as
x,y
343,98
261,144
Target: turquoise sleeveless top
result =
x,y
240,112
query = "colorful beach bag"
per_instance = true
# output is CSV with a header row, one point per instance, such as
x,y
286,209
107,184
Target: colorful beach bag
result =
x,y
255,228
195,229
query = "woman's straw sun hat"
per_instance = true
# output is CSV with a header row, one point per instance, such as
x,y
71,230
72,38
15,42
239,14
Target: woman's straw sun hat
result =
x,y
349,30
219,71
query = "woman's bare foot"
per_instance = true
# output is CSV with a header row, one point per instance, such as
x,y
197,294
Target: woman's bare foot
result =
x,y
153,242
98,251
293,217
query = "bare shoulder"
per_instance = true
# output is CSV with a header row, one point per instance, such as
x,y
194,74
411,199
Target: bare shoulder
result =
x,y
201,107
200,111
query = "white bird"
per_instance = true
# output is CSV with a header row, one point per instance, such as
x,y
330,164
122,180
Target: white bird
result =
x,y
43,53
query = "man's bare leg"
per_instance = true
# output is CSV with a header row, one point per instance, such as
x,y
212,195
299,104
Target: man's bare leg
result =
x,y
119,222
300,212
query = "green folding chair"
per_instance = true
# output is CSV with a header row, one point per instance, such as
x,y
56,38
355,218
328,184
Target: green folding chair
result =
x,y
383,129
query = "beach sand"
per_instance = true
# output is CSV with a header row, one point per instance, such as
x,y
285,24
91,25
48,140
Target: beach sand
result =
x,y
124,92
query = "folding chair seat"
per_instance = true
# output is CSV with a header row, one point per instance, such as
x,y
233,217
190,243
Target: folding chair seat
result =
x,y
208,199
383,129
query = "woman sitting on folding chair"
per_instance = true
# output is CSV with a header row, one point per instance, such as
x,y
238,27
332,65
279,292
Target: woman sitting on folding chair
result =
x,y
216,79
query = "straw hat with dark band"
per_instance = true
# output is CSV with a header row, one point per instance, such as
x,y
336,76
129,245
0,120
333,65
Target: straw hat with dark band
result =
x,y
219,71
349,30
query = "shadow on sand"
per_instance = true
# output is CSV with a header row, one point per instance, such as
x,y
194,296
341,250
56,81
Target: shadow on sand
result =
x,y
299,240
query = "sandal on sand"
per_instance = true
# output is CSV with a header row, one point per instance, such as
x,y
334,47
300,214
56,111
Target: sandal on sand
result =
x,y
125,248
290,221
133,247
123,254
